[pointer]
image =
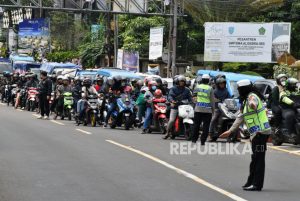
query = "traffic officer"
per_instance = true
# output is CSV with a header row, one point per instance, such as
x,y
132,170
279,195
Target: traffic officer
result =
x,y
253,113
204,108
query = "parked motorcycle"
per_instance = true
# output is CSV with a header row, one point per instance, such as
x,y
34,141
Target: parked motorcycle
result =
x,y
184,123
68,105
32,99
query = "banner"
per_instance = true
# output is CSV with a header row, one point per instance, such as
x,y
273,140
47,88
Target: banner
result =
x,y
34,34
246,42
120,58
131,61
156,43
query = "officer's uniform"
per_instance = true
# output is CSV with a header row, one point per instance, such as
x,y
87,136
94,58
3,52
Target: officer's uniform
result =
x,y
259,128
203,111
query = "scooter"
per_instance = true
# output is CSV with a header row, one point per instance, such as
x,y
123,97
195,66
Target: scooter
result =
x,y
32,99
159,116
230,110
124,115
184,123
92,111
68,105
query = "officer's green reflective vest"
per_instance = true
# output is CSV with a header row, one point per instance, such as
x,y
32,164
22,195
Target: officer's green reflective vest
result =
x,y
256,120
203,95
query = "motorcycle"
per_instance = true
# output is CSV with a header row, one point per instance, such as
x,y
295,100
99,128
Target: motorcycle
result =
x,y
68,105
14,92
277,136
93,110
32,99
229,112
124,114
160,117
184,123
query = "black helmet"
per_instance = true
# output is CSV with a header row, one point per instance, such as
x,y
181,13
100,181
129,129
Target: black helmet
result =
x,y
99,78
280,78
244,87
159,81
291,84
87,82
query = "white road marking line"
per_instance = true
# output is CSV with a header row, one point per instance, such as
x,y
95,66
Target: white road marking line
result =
x,y
85,132
298,151
284,150
181,172
57,122
2,103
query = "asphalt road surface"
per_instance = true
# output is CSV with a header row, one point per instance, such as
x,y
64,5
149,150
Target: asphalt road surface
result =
x,y
57,161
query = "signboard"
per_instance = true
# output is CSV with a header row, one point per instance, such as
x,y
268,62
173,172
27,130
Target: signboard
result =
x,y
34,34
156,43
131,61
246,42
120,59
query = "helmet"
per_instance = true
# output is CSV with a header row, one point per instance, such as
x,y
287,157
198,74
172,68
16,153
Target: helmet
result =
x,y
205,79
158,80
291,84
188,68
77,78
158,92
181,78
220,80
110,81
147,79
175,80
99,78
244,87
281,79
128,89
65,78
165,83
60,77
140,83
87,82
151,83
16,75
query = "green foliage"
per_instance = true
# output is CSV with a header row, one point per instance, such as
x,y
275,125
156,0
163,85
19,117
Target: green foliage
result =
x,y
250,73
62,56
284,69
135,32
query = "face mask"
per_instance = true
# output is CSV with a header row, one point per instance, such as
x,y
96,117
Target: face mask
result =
x,y
153,88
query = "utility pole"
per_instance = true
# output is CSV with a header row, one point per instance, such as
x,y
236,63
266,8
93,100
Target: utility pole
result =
x,y
174,39
116,40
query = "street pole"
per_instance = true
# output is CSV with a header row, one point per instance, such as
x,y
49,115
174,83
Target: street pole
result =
x,y
174,39
169,74
116,45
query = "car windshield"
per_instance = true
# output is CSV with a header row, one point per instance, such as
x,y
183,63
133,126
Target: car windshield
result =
x,y
5,67
233,87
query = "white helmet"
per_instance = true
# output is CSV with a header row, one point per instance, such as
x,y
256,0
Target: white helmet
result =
x,y
60,77
65,77
205,76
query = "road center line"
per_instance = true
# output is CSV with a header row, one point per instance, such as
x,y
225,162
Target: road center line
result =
x,y
85,132
57,122
180,171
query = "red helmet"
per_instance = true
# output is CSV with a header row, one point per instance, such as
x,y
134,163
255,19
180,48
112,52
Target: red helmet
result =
x,y
151,83
158,92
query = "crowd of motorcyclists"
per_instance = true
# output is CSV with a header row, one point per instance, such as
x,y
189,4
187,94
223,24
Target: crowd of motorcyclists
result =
x,y
148,104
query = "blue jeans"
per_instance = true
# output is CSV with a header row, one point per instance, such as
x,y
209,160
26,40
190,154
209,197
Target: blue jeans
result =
x,y
148,117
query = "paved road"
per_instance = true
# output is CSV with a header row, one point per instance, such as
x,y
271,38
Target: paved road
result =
x,y
52,161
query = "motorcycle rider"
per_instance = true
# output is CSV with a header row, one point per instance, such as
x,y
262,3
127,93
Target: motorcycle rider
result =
x,y
114,92
220,93
76,91
274,102
61,89
99,84
177,93
57,95
254,114
161,86
288,107
152,86
204,108
141,104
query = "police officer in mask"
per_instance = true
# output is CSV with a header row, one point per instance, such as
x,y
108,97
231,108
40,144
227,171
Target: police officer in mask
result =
x,y
254,115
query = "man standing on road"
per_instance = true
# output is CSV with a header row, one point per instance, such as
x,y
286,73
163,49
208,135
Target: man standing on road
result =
x,y
255,117
45,89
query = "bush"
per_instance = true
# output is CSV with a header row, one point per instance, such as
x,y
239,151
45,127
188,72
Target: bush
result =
x,y
66,56
250,73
